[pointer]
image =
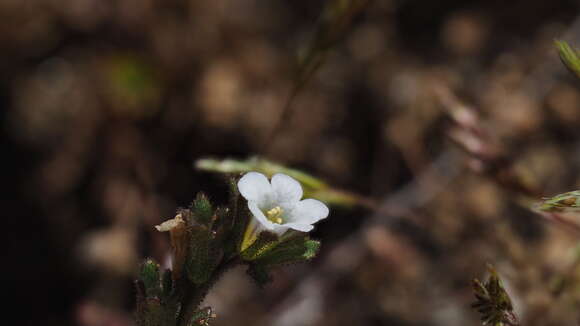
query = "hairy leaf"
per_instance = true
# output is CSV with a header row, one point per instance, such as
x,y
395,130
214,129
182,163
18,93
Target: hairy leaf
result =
x,y
202,209
203,256
295,250
150,276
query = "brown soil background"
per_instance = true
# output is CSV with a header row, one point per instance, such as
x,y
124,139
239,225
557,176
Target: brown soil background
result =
x,y
106,105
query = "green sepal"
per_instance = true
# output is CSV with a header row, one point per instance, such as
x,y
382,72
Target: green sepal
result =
x,y
260,274
202,209
150,276
203,257
294,250
265,242
569,57
202,317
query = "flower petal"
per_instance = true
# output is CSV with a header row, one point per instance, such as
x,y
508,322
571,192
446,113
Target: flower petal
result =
x,y
300,227
308,211
260,217
280,229
286,189
255,186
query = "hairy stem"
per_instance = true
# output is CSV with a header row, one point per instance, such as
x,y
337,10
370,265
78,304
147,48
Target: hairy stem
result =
x,y
193,295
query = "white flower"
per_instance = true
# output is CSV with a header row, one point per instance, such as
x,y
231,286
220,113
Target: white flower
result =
x,y
276,206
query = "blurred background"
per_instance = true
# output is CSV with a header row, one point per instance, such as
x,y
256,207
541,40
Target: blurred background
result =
x,y
446,115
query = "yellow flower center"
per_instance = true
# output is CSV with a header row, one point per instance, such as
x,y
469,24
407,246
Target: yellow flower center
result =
x,y
275,215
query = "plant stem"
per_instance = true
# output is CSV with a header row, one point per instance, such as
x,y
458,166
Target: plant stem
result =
x,y
194,295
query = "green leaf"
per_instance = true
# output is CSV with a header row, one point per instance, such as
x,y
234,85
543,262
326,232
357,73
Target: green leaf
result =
x,y
569,57
569,201
264,254
149,275
265,242
294,250
203,256
493,301
563,209
313,187
202,209
260,274
269,168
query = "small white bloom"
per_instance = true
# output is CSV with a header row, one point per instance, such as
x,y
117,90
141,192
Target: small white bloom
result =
x,y
276,205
